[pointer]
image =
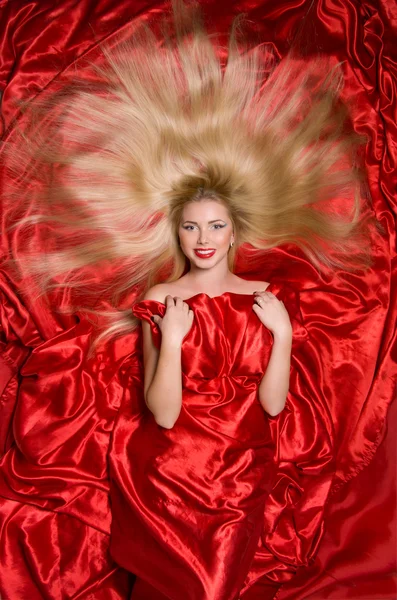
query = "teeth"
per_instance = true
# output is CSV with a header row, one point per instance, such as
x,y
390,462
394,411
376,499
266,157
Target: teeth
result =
x,y
205,251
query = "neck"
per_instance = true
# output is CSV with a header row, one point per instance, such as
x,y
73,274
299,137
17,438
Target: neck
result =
x,y
216,279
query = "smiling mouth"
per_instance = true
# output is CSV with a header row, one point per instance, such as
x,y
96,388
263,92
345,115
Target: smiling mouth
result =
x,y
204,253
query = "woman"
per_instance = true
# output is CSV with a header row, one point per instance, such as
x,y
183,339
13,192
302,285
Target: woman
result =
x,y
206,452
206,236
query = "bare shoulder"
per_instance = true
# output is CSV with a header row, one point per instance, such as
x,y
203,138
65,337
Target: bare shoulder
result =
x,y
254,286
158,292
260,286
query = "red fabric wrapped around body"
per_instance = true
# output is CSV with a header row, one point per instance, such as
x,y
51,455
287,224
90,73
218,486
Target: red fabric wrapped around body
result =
x,y
191,500
59,409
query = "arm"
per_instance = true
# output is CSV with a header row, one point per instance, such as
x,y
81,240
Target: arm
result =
x,y
163,379
274,385
163,370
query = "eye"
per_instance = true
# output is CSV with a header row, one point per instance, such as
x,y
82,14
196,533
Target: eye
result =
x,y
219,226
188,227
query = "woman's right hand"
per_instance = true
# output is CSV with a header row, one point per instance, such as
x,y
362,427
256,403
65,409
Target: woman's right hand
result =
x,y
177,321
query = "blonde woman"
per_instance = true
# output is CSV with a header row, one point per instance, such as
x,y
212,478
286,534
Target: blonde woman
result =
x,y
202,461
206,236
175,161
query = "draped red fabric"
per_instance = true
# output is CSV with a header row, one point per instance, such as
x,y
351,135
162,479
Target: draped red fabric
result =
x,y
220,522
328,527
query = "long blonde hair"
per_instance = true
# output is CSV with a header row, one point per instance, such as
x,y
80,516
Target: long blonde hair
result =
x,y
168,122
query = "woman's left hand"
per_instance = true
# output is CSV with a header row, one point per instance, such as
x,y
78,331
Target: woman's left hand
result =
x,y
272,313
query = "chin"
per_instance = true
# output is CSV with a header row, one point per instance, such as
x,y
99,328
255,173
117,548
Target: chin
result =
x,y
201,264
206,263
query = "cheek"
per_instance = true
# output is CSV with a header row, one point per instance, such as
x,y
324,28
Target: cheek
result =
x,y
224,238
183,237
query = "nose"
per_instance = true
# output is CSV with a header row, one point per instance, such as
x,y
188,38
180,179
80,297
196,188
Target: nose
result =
x,y
202,238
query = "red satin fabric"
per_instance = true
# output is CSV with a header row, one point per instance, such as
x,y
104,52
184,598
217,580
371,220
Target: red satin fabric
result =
x,y
190,501
58,409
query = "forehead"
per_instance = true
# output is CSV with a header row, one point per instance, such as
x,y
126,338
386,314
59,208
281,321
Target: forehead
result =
x,y
205,210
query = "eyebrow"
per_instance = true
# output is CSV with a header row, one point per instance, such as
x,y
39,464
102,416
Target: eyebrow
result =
x,y
209,222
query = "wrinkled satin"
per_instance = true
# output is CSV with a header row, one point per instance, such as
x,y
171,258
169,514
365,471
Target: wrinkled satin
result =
x,y
58,409
191,500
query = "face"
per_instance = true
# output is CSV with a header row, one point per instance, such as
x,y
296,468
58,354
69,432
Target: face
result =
x,y
205,233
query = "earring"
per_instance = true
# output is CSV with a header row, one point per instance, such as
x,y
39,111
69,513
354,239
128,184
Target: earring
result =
x,y
231,244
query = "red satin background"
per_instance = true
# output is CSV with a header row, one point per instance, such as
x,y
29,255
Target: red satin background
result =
x,y
58,409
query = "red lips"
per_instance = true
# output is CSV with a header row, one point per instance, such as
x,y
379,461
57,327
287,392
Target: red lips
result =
x,y
204,253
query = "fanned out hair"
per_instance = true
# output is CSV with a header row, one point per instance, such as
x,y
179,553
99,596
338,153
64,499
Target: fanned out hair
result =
x,y
167,121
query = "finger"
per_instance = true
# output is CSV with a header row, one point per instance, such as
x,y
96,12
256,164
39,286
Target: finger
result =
x,y
186,307
156,319
178,302
191,315
260,301
169,300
